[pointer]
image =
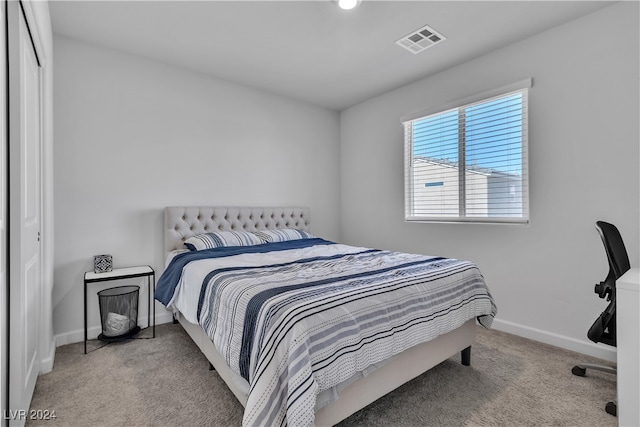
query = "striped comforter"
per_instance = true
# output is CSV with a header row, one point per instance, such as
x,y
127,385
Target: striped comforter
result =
x,y
295,322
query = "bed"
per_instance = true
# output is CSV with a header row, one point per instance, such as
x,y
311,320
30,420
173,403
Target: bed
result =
x,y
284,369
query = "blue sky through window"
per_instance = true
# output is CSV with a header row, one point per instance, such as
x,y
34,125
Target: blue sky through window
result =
x,y
493,134
436,137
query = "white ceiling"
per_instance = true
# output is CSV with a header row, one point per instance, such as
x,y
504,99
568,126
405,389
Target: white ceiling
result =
x,y
310,50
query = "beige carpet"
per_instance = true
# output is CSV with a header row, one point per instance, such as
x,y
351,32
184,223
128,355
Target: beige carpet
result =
x,y
165,382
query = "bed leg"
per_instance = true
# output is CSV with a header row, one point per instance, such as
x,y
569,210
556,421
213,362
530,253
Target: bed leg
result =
x,y
175,319
211,368
466,356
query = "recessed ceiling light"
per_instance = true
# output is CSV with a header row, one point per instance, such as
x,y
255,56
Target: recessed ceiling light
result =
x,y
348,4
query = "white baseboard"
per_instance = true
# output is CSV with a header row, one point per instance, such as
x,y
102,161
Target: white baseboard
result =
x,y
94,331
601,351
46,365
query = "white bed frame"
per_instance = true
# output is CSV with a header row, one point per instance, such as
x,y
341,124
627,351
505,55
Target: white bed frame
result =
x,y
184,222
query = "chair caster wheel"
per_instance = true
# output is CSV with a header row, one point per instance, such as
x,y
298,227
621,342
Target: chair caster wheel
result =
x,y
577,370
611,408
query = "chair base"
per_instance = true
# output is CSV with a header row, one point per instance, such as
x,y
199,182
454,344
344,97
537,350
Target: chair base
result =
x,y
581,370
612,408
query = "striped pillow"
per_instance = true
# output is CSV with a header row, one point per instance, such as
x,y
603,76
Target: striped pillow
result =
x,y
282,235
221,239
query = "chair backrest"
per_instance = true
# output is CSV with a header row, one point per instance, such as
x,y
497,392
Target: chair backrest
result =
x,y
614,246
604,328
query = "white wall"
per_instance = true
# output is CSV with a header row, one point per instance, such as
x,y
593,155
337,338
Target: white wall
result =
x,y
134,136
584,158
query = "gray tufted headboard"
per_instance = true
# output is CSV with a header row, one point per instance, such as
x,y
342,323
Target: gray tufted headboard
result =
x,y
182,222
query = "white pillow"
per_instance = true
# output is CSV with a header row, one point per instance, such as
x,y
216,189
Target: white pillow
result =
x,y
282,235
219,239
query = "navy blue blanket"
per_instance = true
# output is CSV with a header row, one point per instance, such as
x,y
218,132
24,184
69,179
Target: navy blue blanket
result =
x,y
170,278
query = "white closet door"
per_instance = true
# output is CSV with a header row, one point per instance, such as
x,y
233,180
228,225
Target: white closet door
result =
x,y
3,215
25,282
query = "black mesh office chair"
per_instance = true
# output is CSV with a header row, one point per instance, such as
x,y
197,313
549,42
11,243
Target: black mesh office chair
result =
x,y
604,328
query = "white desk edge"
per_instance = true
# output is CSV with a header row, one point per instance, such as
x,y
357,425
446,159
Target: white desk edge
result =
x,y
628,343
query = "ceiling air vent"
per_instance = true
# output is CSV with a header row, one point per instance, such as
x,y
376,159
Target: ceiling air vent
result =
x,y
420,39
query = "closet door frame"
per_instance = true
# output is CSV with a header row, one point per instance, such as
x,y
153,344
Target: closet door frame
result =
x,y
25,209
4,212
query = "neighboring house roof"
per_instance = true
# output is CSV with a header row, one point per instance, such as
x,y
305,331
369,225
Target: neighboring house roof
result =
x,y
469,168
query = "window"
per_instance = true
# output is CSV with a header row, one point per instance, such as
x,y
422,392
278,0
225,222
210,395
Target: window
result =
x,y
469,163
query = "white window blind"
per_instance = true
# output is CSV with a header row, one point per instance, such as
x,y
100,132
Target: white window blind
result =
x,y
469,163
